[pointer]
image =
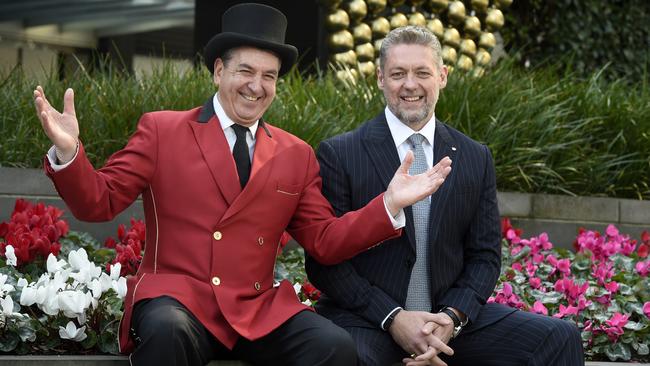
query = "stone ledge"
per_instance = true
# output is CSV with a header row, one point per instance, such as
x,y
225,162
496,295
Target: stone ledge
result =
x,y
87,361
123,361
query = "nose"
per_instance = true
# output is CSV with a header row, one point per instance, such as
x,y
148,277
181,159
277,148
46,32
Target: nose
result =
x,y
255,83
409,82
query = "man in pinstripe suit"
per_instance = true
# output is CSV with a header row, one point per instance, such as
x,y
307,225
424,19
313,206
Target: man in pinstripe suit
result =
x,y
409,298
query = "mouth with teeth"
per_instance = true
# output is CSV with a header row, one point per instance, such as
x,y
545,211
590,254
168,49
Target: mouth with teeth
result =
x,y
411,99
250,97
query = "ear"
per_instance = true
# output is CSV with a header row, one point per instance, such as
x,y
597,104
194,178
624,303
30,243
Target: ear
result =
x,y
218,71
380,78
443,76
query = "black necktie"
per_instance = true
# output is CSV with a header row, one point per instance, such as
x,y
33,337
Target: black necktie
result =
x,y
240,153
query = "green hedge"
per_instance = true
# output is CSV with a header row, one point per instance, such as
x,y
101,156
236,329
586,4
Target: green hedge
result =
x,y
587,34
548,133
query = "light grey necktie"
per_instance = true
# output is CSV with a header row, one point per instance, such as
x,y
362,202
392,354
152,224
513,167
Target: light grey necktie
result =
x,y
419,296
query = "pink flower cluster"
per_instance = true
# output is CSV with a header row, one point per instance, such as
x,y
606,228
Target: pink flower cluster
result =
x,y
33,231
548,276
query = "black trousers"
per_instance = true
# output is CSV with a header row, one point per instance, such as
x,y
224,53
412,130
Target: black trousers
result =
x,y
519,339
168,334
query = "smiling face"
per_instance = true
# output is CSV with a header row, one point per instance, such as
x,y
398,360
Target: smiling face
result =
x,y
411,81
246,83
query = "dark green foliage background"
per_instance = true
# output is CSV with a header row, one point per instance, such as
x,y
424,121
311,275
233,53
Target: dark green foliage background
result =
x,y
586,34
549,130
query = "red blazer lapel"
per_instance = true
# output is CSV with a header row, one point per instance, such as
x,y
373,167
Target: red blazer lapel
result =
x,y
261,170
214,147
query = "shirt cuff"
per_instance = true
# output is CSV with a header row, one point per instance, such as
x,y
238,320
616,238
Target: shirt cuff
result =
x,y
51,156
398,221
388,316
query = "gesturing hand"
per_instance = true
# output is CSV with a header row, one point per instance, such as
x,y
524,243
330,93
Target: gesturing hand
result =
x,y
405,189
61,128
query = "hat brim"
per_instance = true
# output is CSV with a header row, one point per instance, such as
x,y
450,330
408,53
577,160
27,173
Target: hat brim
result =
x,y
224,41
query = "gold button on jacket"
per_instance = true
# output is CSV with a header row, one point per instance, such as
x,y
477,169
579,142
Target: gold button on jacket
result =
x,y
216,281
217,235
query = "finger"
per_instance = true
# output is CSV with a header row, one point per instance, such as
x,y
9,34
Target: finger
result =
x,y
440,346
68,102
42,95
430,353
406,164
428,328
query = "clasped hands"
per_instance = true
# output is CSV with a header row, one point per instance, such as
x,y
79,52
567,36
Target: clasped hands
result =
x,y
424,335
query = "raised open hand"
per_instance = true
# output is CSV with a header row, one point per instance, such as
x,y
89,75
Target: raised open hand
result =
x,y
405,189
61,128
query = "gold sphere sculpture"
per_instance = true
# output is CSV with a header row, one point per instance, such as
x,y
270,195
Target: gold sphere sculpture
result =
x,y
480,6
365,52
494,19
362,33
502,4
437,6
357,10
367,68
465,63
348,58
468,47
436,26
376,6
417,18
398,20
456,12
477,72
348,76
337,20
380,27
472,26
449,55
451,37
341,41
487,40
483,57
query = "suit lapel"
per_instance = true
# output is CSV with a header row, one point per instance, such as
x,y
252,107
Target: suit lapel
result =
x,y
443,145
214,148
382,152
260,171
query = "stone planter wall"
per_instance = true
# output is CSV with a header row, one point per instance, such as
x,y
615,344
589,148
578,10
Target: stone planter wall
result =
x,y
560,216
123,361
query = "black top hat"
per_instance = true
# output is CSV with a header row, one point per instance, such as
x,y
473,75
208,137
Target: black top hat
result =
x,y
254,25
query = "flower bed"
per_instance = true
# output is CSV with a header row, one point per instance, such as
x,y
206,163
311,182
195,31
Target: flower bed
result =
x,y
61,291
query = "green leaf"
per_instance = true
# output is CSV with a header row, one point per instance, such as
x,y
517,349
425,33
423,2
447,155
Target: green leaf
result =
x,y
642,349
618,351
8,341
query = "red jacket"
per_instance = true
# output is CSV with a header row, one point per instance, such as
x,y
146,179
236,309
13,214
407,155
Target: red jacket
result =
x,y
211,245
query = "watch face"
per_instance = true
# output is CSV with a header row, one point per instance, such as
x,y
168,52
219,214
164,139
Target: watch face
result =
x,y
457,331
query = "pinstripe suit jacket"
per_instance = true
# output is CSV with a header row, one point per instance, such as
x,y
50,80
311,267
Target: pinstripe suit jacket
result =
x,y
464,229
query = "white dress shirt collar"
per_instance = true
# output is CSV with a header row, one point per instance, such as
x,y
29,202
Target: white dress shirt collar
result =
x,y
401,132
225,120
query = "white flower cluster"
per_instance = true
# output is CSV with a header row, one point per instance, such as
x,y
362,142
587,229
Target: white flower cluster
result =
x,y
71,288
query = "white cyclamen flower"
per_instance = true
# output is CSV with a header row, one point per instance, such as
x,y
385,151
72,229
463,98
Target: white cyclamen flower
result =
x,y
71,332
120,287
21,283
5,288
73,303
115,271
297,287
11,256
7,305
53,265
78,259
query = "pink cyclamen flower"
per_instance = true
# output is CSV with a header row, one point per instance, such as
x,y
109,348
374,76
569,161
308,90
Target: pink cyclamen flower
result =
x,y
643,268
517,266
539,308
566,310
646,309
612,287
535,282
611,230
618,320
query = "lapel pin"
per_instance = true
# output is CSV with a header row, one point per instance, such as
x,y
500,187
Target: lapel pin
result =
x,y
453,148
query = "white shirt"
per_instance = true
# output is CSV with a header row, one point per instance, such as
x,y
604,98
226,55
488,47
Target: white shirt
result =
x,y
400,133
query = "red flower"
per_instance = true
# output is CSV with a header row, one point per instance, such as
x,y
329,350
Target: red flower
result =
x,y
310,291
643,249
129,248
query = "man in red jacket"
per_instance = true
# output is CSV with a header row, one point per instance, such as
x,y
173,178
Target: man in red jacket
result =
x,y
219,187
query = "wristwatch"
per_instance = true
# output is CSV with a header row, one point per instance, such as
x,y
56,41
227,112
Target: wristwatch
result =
x,y
458,325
